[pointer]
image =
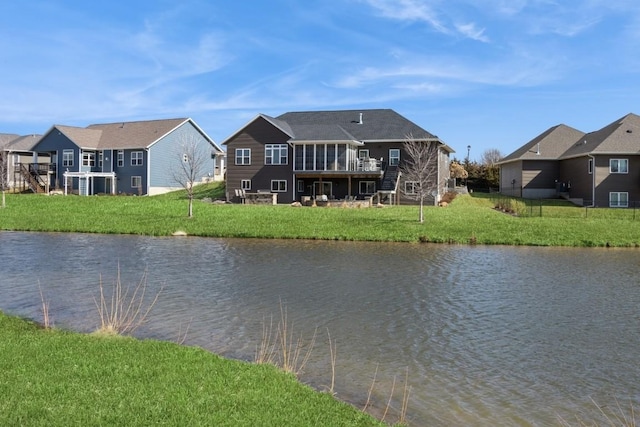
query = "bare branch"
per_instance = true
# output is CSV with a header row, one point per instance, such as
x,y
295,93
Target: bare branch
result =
x,y
420,170
190,165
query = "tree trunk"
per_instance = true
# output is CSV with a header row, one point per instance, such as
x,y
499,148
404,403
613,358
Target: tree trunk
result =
x,y
4,204
421,210
190,206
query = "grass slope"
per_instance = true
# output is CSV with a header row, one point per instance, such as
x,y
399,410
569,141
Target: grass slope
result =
x,y
54,377
468,219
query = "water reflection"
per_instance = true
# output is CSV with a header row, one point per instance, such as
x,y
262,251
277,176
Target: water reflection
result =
x,y
489,335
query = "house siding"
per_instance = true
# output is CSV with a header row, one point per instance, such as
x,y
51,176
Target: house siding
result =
x,y
607,182
253,137
166,155
124,173
511,179
575,173
56,142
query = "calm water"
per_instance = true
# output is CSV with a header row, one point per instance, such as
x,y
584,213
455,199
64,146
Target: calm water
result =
x,y
489,335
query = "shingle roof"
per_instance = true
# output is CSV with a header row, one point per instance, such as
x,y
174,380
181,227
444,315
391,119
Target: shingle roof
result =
x,y
18,143
376,125
24,143
549,145
82,137
620,137
6,139
139,134
563,142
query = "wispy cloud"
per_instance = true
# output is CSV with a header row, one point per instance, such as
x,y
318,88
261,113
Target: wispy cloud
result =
x,y
471,31
408,10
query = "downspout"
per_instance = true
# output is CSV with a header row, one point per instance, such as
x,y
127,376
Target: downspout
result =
x,y
148,177
593,181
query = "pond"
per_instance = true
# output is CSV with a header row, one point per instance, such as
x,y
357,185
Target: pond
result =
x,y
486,335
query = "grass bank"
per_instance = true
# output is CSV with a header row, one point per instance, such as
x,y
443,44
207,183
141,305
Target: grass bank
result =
x,y
467,220
55,377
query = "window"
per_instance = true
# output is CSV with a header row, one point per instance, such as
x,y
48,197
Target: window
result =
x,y
411,187
136,181
276,154
278,185
120,158
363,154
394,156
245,184
590,166
619,165
88,159
100,159
67,158
300,186
243,156
618,199
367,187
136,158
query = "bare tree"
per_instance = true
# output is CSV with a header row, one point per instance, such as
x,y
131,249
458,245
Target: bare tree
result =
x,y
491,156
190,165
420,170
4,179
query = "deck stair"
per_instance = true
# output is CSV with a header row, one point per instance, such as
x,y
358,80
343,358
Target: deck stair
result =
x,y
33,178
389,185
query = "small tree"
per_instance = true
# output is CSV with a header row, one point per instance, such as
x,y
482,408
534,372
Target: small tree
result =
x,y
490,158
4,179
457,171
420,170
190,165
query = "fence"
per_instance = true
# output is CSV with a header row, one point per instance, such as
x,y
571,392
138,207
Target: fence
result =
x,y
558,208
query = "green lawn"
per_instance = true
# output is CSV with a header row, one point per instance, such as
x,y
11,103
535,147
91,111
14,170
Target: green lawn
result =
x,y
468,219
60,378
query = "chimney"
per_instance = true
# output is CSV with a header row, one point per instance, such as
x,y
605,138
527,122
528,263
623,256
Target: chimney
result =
x,y
360,122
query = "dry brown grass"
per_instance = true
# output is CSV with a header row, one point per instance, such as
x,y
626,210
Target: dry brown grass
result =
x,y
282,348
46,318
613,417
401,412
126,309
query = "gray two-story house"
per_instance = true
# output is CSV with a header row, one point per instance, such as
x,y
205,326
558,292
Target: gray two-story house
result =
x,y
600,168
125,158
342,154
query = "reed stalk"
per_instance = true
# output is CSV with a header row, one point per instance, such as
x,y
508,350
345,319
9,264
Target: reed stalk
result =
x,y
332,353
281,348
124,311
46,319
373,383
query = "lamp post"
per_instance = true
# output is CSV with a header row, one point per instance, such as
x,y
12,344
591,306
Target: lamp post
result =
x,y
468,151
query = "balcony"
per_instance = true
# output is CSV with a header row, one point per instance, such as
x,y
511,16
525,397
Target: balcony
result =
x,y
367,167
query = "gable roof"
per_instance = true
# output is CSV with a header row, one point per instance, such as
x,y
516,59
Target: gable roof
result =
x,y
82,137
563,142
357,126
549,145
141,134
620,137
125,135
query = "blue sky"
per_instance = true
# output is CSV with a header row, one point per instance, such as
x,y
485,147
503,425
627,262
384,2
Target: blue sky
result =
x,y
484,73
